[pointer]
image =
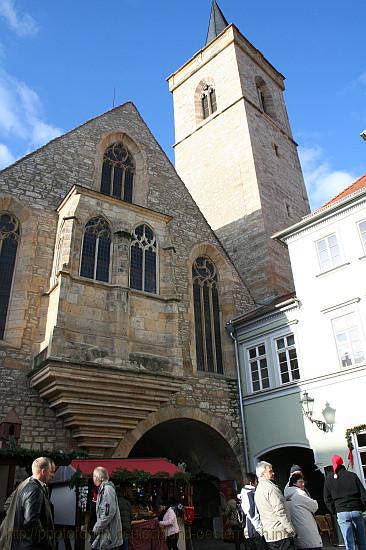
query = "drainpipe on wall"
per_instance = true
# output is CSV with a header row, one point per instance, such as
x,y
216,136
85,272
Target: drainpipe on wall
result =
x,y
231,332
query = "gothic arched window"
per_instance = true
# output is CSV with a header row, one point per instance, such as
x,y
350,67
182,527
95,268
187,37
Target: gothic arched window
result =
x,y
143,266
207,316
208,100
9,239
118,172
95,256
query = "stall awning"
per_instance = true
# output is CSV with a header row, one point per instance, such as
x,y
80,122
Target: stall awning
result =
x,y
150,465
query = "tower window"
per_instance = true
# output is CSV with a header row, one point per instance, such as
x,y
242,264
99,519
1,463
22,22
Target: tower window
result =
x,y
9,239
208,100
118,172
265,99
207,316
143,266
95,256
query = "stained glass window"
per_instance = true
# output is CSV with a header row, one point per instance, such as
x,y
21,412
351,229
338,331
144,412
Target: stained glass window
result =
x,y
143,263
9,239
207,316
117,172
95,256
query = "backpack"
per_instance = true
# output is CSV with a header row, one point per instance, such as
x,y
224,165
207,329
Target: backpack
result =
x,y
240,516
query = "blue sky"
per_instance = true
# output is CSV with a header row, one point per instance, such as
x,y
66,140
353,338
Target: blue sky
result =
x,y
61,60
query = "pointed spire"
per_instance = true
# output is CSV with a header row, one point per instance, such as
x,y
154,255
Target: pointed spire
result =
x,y
217,22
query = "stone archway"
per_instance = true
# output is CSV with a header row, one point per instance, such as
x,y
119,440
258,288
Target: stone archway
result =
x,y
205,443
282,458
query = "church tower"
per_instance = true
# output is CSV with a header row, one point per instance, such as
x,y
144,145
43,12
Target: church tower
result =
x,y
235,152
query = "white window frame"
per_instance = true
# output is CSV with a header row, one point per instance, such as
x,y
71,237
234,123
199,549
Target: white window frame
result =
x,y
333,264
361,233
357,458
287,348
358,326
257,359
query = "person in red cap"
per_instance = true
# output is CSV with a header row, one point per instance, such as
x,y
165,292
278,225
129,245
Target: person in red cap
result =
x,y
345,496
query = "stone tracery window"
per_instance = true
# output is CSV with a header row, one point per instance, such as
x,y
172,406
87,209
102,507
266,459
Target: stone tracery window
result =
x,y
208,100
207,316
9,239
118,172
143,263
95,256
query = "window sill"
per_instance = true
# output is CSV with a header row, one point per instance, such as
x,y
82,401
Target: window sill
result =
x,y
332,269
211,374
274,389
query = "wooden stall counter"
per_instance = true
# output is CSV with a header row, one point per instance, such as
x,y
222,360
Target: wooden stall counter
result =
x,y
147,535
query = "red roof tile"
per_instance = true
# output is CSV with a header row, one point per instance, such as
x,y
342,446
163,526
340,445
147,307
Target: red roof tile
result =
x,y
353,188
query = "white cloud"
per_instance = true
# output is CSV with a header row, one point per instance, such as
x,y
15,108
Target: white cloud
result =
x,y
21,113
322,181
22,23
362,79
6,157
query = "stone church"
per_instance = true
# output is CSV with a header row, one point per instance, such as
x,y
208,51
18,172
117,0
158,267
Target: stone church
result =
x,y
118,273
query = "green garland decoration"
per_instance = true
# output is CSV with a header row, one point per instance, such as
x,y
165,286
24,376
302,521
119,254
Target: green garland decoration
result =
x,y
355,430
121,475
24,457
182,476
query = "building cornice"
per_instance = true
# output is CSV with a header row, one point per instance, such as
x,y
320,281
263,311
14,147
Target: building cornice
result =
x,y
228,36
321,216
130,207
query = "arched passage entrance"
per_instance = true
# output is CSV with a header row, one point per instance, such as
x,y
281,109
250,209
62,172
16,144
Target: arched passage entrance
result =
x,y
207,454
284,457
200,446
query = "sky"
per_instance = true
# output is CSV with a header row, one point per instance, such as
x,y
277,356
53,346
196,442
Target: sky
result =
x,y
63,61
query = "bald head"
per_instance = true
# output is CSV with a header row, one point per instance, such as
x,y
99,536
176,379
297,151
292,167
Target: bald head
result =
x,y
43,469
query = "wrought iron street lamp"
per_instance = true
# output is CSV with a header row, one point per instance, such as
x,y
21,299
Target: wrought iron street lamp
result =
x,y
328,413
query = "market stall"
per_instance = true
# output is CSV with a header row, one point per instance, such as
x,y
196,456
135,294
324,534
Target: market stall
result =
x,y
147,483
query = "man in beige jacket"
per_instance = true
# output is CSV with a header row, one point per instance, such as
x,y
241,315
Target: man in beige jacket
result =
x,y
277,527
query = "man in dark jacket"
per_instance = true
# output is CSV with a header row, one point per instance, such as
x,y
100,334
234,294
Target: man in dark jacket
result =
x,y
345,496
33,523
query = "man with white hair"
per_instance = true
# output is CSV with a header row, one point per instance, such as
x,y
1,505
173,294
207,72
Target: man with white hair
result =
x,y
108,527
277,527
28,524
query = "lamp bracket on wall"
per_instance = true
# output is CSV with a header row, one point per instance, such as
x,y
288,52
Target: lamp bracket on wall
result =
x,y
328,413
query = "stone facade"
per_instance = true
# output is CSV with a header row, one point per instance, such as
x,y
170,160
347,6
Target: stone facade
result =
x,y
86,363
241,157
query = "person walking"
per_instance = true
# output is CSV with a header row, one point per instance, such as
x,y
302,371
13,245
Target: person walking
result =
x,y
125,510
253,531
345,496
302,507
108,527
28,524
171,527
277,527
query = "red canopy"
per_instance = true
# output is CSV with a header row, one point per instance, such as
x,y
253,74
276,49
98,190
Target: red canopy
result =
x,y
150,465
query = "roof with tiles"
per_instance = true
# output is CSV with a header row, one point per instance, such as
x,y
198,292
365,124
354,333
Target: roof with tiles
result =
x,y
350,190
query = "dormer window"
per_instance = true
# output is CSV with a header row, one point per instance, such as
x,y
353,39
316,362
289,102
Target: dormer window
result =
x,y
208,100
118,172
